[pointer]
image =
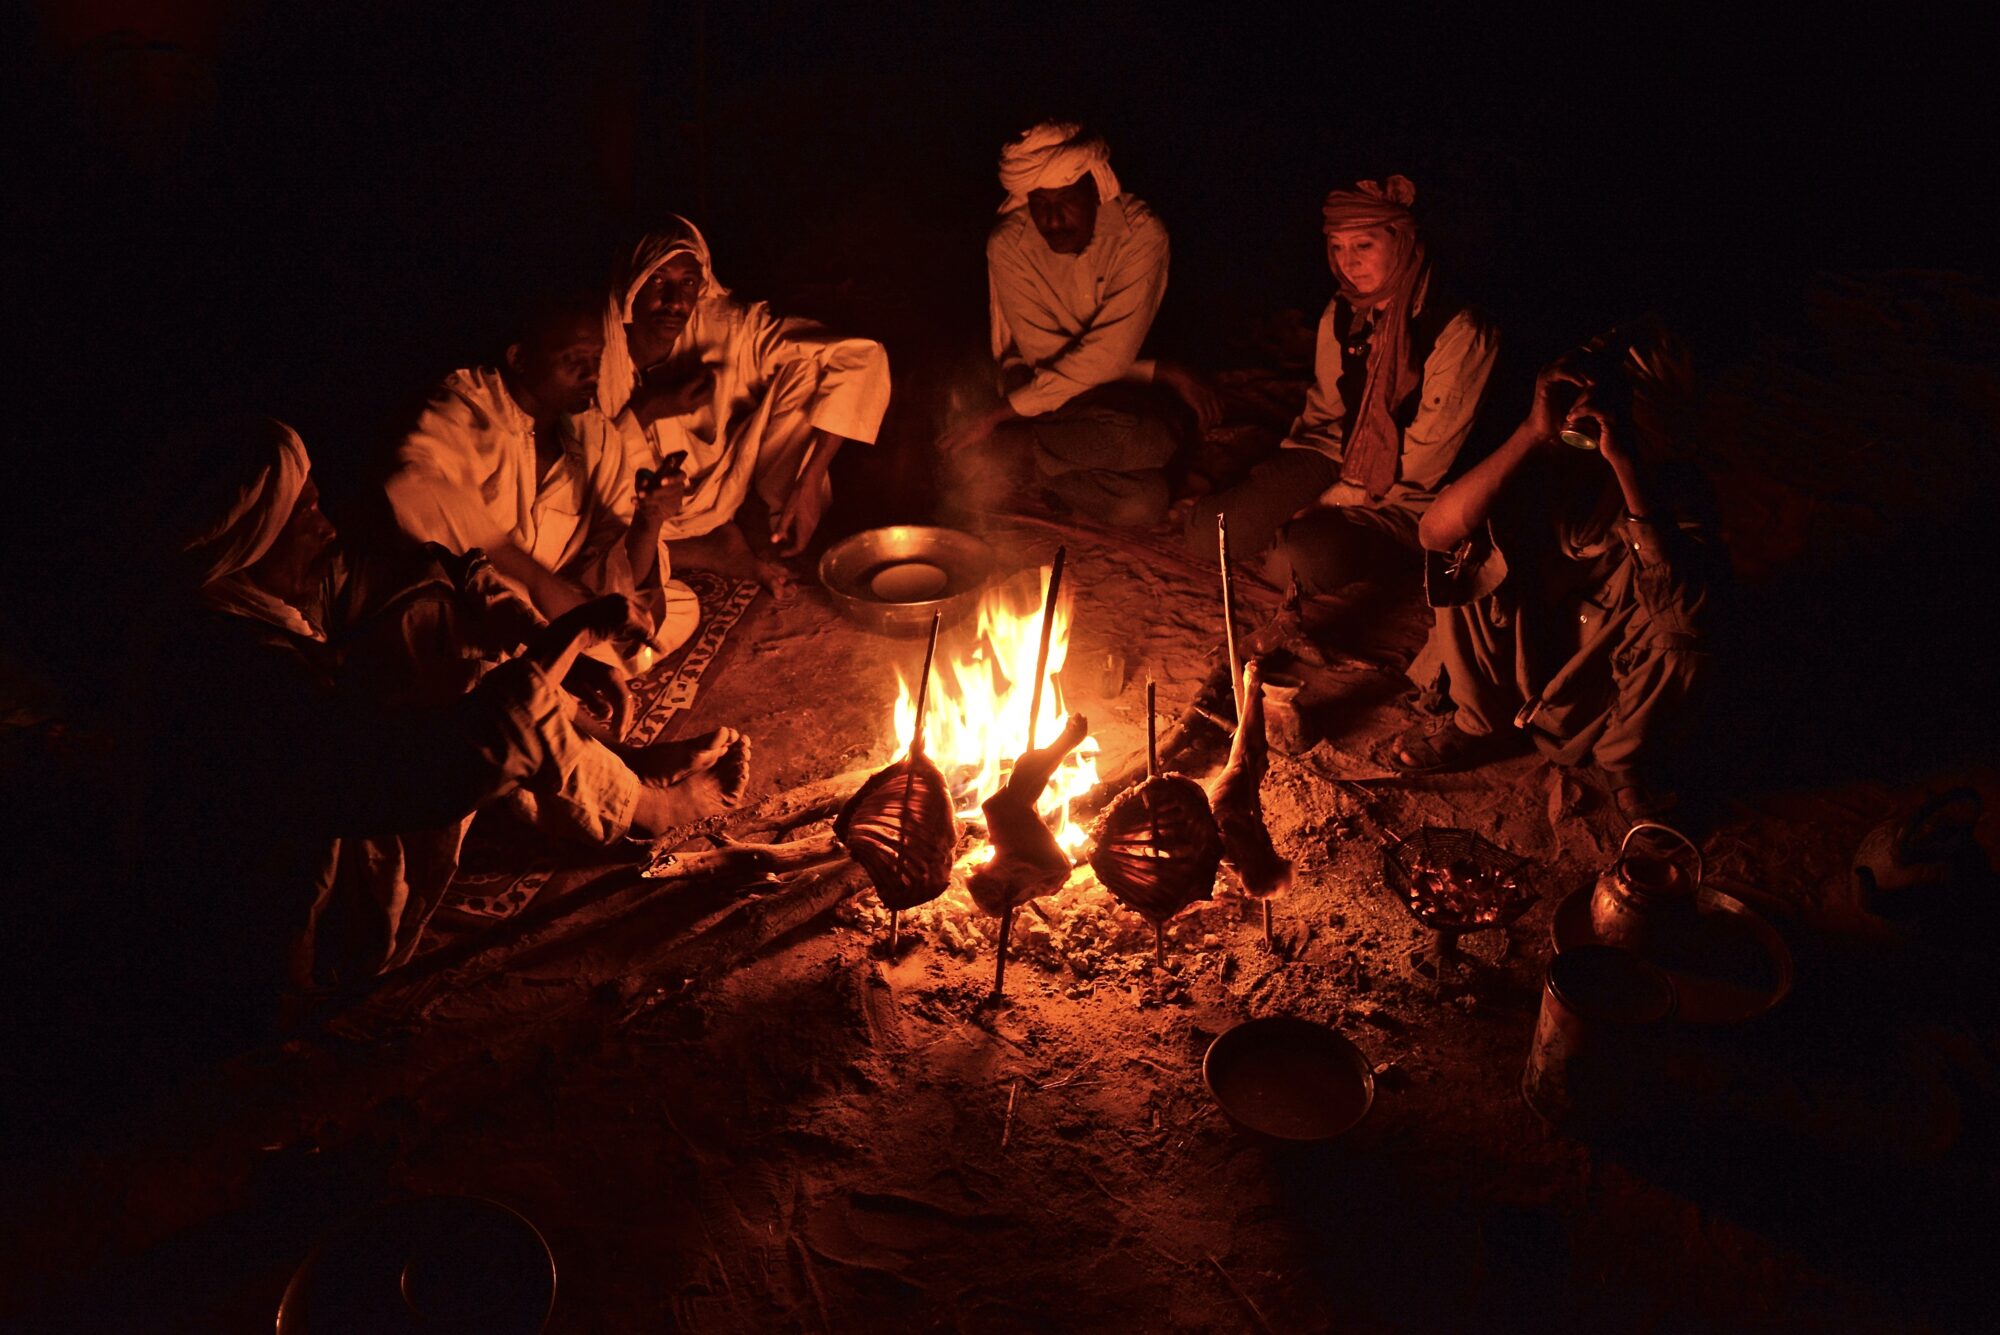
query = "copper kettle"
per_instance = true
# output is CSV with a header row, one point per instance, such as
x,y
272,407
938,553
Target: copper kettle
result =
x,y
1641,893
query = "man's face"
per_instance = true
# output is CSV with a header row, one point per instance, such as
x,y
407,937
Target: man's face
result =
x,y
666,299
298,557
558,365
1067,217
1363,257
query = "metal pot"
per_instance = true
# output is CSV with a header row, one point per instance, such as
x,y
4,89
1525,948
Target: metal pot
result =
x,y
892,580
1640,893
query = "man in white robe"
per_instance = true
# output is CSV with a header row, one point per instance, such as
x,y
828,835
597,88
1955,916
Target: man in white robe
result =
x,y
736,397
515,460
1076,268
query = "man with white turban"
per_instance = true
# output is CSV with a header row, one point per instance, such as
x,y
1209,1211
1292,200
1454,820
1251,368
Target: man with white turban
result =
x,y
1075,270
516,461
724,397
319,768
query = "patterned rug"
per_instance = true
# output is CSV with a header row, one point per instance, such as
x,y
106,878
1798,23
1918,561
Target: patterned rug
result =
x,y
505,864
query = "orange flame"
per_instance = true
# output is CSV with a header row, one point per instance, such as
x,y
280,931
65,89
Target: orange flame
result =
x,y
976,721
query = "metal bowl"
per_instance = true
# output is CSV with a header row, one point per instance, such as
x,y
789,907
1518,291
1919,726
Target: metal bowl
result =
x,y
1289,1078
893,580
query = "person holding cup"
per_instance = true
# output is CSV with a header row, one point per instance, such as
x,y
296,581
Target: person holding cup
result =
x,y
1572,573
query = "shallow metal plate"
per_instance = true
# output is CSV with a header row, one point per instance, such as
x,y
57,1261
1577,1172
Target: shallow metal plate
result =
x,y
1289,1078
892,580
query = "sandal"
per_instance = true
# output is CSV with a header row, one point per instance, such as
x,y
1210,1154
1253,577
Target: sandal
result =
x,y
1636,801
1439,745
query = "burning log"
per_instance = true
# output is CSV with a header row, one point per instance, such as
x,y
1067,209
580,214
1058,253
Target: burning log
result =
x,y
1237,796
901,826
1157,846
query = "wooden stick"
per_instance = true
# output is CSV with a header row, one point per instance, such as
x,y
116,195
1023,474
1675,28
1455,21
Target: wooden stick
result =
x,y
1007,1127
1042,654
924,686
910,774
1152,729
1000,957
1229,614
1034,713
896,930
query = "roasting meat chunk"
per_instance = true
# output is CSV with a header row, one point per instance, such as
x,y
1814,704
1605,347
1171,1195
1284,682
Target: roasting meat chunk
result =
x,y
1238,798
902,830
1027,861
1158,847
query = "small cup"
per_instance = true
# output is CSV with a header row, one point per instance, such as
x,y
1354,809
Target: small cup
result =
x,y
1285,724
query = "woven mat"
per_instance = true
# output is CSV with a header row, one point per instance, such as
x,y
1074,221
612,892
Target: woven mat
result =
x,y
505,863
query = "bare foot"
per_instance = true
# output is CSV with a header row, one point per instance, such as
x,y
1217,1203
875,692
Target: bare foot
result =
x,y
706,792
667,763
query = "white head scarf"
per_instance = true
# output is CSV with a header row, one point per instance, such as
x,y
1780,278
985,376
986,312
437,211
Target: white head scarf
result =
x,y
616,375
1050,156
238,538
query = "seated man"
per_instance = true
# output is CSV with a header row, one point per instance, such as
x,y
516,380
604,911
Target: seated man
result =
x,y
1075,272
1572,585
517,462
733,397
318,812
1400,368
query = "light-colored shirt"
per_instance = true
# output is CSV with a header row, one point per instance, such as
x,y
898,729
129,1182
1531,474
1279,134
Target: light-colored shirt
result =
x,y
468,477
1075,322
1454,381
840,384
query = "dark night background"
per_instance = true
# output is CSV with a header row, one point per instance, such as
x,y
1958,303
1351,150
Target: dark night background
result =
x,y
315,211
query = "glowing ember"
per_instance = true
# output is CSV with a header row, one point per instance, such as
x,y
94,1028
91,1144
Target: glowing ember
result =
x,y
978,713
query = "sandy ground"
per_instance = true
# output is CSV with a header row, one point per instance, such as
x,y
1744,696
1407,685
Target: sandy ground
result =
x,y
827,1138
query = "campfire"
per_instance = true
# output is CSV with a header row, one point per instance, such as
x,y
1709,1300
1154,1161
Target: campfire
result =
x,y
977,716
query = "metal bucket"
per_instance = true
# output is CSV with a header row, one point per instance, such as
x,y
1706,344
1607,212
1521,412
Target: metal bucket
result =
x,y
1598,1037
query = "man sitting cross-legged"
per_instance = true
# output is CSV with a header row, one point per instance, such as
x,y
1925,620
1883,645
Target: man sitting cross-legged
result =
x,y
733,399
516,461
1076,268
319,769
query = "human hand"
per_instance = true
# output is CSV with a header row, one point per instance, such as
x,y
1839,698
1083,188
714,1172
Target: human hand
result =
x,y
1343,493
1611,443
1558,387
673,390
600,688
793,526
588,623
658,495
1193,390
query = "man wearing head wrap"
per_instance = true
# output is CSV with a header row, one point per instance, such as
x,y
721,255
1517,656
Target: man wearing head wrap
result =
x,y
1399,370
516,461
731,398
1572,571
1075,271
313,771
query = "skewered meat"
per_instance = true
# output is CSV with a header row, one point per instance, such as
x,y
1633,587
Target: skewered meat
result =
x,y
1158,847
902,830
1027,861
1238,799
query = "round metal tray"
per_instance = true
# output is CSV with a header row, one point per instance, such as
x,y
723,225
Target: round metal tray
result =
x,y
1289,1078
893,580
425,1264
1732,967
